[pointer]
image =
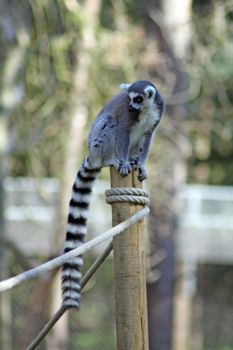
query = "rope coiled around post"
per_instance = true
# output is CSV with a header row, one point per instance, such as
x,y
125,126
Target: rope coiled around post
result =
x,y
132,195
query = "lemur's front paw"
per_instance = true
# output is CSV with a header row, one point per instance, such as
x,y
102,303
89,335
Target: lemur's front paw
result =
x,y
134,162
142,174
123,167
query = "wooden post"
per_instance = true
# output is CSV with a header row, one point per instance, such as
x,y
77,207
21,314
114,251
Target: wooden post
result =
x,y
130,279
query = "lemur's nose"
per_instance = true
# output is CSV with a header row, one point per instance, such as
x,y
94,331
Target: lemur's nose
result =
x,y
131,108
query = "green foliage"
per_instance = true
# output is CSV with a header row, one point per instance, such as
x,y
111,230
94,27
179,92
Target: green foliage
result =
x,y
94,340
50,42
220,348
40,122
212,131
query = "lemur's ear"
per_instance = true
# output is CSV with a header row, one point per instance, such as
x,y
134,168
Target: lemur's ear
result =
x,y
125,87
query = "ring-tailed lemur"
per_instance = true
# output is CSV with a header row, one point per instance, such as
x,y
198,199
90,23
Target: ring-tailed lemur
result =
x,y
120,136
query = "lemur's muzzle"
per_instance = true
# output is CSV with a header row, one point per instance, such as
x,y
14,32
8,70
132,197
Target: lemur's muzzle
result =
x,y
131,108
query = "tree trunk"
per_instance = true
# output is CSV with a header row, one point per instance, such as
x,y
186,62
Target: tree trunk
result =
x,y
12,58
78,115
79,100
167,21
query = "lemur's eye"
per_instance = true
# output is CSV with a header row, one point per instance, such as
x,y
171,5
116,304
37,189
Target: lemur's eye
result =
x,y
138,99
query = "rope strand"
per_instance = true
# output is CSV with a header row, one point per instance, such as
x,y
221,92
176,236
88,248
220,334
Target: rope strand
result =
x,y
131,195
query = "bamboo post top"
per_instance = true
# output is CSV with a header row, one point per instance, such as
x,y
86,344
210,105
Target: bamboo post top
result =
x,y
129,266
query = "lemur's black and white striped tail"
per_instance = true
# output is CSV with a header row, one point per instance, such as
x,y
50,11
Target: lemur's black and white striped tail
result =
x,y
76,232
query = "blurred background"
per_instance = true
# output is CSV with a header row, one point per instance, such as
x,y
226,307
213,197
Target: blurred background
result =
x,y
60,61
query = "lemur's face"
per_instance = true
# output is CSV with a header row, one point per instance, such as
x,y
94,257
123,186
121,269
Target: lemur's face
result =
x,y
140,100
141,95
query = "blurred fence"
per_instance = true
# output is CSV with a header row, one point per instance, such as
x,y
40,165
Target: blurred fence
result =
x,y
204,300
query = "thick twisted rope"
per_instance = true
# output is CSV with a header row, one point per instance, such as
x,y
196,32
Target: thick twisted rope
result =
x,y
131,195
62,259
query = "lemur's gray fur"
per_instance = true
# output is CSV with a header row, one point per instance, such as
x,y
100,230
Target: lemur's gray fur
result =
x,y
120,136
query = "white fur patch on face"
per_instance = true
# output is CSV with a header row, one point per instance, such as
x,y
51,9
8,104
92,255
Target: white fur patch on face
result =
x,y
134,94
150,89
